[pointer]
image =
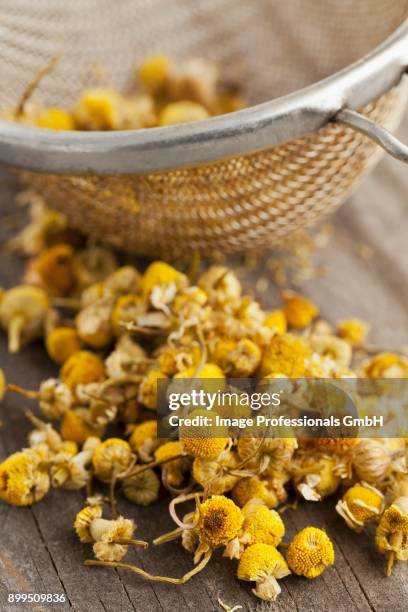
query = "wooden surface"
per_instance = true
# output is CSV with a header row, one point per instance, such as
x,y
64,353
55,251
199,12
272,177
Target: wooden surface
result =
x,y
38,549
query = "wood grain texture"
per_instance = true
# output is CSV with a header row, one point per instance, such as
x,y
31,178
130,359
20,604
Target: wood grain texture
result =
x,y
38,549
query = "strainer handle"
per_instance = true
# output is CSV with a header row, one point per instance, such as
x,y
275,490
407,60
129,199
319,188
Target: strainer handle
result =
x,y
380,135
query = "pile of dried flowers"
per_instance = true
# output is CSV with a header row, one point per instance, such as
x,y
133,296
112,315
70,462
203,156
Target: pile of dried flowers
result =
x,y
163,92
130,329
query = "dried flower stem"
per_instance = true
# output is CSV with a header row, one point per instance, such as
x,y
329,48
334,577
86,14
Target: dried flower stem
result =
x,y
21,391
168,537
131,542
140,572
179,500
14,333
33,84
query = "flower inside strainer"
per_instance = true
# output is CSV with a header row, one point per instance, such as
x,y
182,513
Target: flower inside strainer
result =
x,y
233,182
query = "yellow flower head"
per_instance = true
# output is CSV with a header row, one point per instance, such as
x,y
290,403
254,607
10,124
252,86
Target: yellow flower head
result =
x,y
161,273
114,455
221,285
127,309
275,320
75,428
83,522
217,521
184,111
340,446
55,268
173,471
23,480
263,564
387,365
391,537
360,504
55,119
144,439
214,474
253,487
287,355
98,109
61,343
81,368
299,311
262,525
142,489
198,441
148,389
154,73
353,331
23,310
310,552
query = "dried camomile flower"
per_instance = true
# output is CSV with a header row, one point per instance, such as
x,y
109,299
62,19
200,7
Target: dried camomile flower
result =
x,y
154,72
191,303
126,311
46,227
273,454
386,365
110,458
339,446
53,270
216,521
54,397
142,489
98,108
331,348
22,314
75,426
299,310
93,265
71,471
398,486
216,476
148,388
92,294
261,526
173,360
370,460
81,368
123,281
264,565
45,436
24,479
110,538
144,441
55,119
275,320
286,354
173,472
391,537
310,552
221,285
94,325
244,359
195,79
197,442
315,476
122,363
62,342
161,274
353,331
184,111
254,487
360,505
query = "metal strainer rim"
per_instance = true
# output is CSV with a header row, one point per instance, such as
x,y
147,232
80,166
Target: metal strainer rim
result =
x,y
255,128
